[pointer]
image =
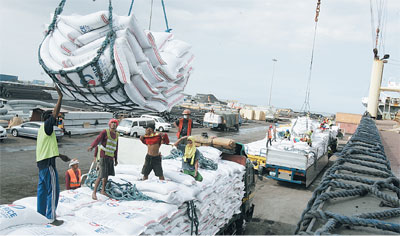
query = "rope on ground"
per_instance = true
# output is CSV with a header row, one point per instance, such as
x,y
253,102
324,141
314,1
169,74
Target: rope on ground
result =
x,y
363,154
126,191
204,162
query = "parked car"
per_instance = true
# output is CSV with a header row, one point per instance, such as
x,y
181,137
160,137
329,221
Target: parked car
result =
x,y
161,124
134,126
3,133
31,129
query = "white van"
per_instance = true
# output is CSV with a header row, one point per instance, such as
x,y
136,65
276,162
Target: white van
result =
x,y
161,124
134,126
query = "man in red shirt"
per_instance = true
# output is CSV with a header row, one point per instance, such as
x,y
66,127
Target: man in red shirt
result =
x,y
153,158
73,176
107,150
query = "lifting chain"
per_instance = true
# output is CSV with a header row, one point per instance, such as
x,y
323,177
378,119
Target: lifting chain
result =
x,y
317,10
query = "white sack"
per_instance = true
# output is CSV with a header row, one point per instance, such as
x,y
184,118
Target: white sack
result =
x,y
12,215
86,23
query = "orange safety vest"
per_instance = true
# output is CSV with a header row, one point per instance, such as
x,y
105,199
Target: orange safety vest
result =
x,y
189,129
74,182
269,133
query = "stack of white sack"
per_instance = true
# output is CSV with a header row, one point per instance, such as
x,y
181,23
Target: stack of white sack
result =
x,y
217,198
301,125
150,69
320,142
257,148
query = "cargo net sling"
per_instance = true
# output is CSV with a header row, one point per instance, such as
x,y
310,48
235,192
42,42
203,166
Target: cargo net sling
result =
x,y
108,61
359,193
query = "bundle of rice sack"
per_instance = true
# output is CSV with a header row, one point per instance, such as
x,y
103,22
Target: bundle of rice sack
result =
x,y
105,60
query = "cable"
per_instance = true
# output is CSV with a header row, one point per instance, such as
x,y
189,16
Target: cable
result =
x,y
151,14
130,8
306,105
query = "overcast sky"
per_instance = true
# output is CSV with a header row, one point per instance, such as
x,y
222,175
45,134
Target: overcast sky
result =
x,y
234,43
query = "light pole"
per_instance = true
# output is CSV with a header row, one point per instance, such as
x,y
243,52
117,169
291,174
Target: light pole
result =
x,y
272,80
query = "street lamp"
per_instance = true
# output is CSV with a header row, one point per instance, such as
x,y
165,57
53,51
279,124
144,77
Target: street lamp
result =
x,y
272,80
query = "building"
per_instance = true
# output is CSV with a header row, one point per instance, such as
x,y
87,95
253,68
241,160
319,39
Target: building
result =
x,y
348,122
8,78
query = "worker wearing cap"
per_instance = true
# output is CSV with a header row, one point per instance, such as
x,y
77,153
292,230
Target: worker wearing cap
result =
x,y
73,175
276,124
269,135
107,152
153,159
309,137
184,125
190,159
48,190
287,134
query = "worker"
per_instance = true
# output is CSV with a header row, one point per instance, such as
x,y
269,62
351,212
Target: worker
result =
x,y
107,153
184,125
190,159
308,137
269,135
153,159
73,175
48,189
60,123
287,134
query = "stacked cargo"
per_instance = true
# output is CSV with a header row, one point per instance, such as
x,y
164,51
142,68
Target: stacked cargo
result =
x,y
259,115
217,198
74,122
296,145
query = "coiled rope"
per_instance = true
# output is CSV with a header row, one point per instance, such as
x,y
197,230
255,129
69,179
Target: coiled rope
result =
x,y
126,191
364,149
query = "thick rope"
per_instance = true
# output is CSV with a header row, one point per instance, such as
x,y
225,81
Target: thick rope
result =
x,y
118,191
194,221
366,155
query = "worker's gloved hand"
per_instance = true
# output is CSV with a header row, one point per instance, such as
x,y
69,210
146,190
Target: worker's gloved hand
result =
x,y
64,158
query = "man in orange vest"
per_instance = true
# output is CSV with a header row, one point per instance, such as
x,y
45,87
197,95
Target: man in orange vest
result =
x,y
184,125
73,175
269,136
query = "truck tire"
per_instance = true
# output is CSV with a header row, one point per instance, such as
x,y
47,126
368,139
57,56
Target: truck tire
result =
x,y
161,129
237,127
